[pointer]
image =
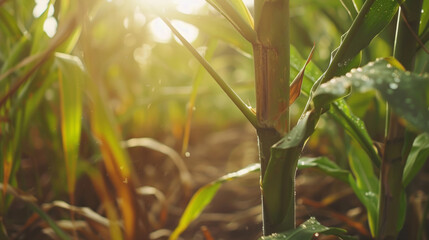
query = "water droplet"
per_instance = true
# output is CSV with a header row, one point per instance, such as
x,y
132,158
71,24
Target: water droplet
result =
x,y
393,85
389,65
303,226
348,75
187,154
359,69
340,64
370,194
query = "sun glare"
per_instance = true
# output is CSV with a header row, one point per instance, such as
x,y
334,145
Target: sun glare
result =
x,y
50,25
161,33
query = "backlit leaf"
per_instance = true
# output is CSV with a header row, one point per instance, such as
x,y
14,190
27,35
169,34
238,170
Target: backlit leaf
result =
x,y
204,196
70,75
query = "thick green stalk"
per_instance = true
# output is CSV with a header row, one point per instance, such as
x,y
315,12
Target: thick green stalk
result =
x,y
267,137
272,64
272,69
396,143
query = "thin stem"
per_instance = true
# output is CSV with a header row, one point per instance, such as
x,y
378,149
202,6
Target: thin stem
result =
x,y
242,106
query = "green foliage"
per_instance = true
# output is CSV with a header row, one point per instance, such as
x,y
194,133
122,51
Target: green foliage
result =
x,y
307,231
70,76
419,154
406,92
103,77
203,197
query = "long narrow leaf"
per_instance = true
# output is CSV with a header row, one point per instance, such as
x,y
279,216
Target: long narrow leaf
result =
x,y
31,202
372,18
204,196
419,154
70,77
355,127
366,186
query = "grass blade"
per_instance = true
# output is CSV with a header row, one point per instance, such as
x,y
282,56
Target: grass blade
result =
x,y
31,202
366,185
204,196
418,156
71,76
185,176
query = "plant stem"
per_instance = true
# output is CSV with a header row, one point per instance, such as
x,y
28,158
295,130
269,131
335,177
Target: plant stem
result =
x,y
397,144
267,137
239,103
272,64
272,70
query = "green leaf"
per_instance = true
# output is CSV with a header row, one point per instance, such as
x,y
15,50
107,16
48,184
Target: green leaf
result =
x,y
424,18
204,196
71,75
325,165
238,15
355,127
279,177
307,231
407,93
372,18
9,25
366,185
330,91
419,154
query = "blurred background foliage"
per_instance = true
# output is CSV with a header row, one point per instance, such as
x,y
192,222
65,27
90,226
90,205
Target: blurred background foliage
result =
x,y
144,78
